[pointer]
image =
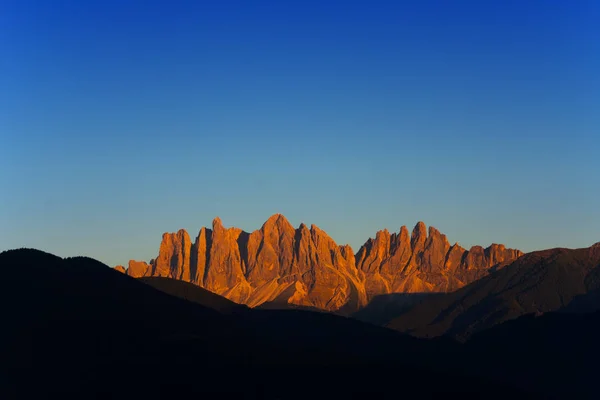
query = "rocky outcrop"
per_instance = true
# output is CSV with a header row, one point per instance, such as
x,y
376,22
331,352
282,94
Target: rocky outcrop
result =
x,y
137,269
427,263
173,259
304,266
121,269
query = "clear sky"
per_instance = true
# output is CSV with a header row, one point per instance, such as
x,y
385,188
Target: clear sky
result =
x,y
120,120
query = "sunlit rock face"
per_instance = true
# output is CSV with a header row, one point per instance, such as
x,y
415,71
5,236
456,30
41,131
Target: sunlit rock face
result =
x,y
305,267
424,262
137,269
120,269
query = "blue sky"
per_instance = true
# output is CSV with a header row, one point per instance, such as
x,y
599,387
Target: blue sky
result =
x,y
120,120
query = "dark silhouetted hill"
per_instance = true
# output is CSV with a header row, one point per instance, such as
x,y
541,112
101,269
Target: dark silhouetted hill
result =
x,y
384,308
193,293
538,282
556,351
76,328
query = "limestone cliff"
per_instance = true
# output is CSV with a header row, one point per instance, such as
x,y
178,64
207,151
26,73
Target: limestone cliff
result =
x,y
304,266
426,263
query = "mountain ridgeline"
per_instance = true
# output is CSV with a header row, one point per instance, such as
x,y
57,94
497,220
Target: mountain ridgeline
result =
x,y
304,266
565,280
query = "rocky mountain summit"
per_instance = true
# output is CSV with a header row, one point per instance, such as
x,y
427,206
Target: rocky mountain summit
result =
x,y
304,266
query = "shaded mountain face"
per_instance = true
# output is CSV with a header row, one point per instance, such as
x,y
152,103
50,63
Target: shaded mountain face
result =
x,y
280,264
536,283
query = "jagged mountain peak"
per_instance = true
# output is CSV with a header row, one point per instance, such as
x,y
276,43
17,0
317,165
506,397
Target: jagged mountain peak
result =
x,y
403,231
420,228
305,266
277,221
217,224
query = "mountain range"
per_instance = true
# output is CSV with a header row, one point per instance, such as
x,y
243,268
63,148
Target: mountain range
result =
x,y
280,264
277,313
80,329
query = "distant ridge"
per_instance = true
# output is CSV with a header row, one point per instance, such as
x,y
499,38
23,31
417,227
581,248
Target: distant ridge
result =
x,y
303,266
537,283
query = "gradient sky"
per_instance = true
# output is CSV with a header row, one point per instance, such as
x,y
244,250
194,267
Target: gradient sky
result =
x,y
120,120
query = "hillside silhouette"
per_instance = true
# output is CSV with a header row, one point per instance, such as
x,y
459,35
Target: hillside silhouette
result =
x,y
193,293
384,308
555,351
74,327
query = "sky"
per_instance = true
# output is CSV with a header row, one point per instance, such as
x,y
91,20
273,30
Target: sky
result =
x,y
121,120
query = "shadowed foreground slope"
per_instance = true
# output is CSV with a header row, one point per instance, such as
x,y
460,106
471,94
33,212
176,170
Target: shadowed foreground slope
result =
x,y
557,351
384,308
190,292
74,326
